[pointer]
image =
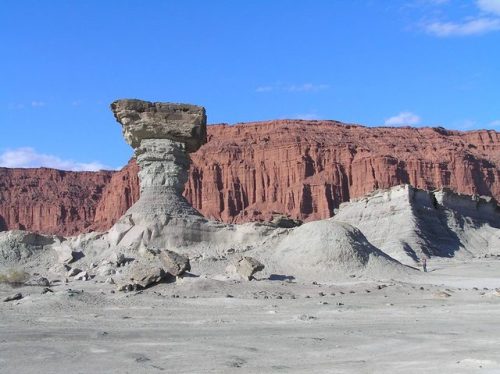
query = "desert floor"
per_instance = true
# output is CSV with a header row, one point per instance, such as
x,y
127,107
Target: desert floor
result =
x,y
444,321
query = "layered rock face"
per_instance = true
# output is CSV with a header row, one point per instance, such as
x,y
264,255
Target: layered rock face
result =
x,y
307,168
51,201
247,171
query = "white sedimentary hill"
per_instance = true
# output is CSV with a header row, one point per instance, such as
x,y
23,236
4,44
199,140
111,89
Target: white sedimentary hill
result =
x,y
408,223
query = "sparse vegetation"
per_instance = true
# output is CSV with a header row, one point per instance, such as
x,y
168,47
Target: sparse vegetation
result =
x,y
14,277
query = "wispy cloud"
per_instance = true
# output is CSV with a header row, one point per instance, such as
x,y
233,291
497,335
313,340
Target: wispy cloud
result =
x,y
27,157
465,124
285,87
487,20
37,104
489,6
306,116
494,124
403,118
476,26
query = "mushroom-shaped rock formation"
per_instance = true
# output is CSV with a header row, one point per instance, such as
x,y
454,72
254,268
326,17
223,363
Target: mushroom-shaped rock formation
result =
x,y
162,135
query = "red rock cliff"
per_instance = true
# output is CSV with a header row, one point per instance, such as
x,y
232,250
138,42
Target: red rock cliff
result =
x,y
50,201
307,168
247,171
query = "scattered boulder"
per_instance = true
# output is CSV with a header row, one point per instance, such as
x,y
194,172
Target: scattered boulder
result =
x,y
119,259
145,275
126,287
248,266
83,275
442,295
106,270
38,281
174,263
110,281
17,296
64,254
73,272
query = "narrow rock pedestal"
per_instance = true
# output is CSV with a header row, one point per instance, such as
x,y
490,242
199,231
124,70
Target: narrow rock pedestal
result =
x,y
162,135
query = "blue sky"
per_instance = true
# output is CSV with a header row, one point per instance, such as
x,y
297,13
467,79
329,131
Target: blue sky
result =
x,y
417,62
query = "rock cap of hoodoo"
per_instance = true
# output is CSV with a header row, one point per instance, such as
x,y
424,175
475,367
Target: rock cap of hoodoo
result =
x,y
182,123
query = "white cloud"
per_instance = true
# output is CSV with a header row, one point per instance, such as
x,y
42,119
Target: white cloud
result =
x,y
465,124
403,118
489,6
264,89
304,87
306,116
494,124
27,157
476,26
487,20
36,104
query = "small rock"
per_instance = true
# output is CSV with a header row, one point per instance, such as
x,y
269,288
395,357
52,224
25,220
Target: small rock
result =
x,y
72,272
321,294
110,281
442,294
45,290
119,259
125,287
248,266
17,296
64,254
145,275
82,276
174,263
38,281
306,317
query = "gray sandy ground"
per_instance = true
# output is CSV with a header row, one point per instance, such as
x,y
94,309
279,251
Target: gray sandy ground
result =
x,y
202,325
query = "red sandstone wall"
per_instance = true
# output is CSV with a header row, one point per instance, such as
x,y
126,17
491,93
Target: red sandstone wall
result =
x,y
246,172
48,200
307,168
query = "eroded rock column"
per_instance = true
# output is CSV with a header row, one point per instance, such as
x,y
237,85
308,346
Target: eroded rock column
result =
x,y
162,136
